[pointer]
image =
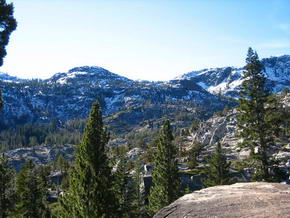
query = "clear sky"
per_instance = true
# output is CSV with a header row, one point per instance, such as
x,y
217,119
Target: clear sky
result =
x,y
143,39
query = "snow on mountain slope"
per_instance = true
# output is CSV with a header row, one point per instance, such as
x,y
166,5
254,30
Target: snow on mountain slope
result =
x,y
69,95
86,74
228,79
7,78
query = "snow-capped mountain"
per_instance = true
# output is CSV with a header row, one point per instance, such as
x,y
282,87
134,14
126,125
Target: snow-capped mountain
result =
x,y
7,78
69,95
228,79
96,76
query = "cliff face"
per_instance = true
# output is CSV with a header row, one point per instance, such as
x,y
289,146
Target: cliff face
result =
x,y
223,128
239,200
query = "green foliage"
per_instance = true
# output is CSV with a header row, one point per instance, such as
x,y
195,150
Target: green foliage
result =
x,y
30,135
194,153
61,164
90,188
7,183
125,189
165,173
218,169
55,210
259,116
31,192
8,25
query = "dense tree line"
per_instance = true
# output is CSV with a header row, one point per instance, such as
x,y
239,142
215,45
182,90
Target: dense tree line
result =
x,y
24,194
30,135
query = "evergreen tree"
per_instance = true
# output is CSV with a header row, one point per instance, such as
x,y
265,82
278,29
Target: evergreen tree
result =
x,y
7,183
31,193
218,169
165,173
125,188
194,153
7,24
141,208
61,164
90,189
257,119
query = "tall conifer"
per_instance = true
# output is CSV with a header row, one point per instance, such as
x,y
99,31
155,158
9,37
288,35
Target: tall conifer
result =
x,y
7,25
257,118
7,183
31,194
165,173
125,189
90,182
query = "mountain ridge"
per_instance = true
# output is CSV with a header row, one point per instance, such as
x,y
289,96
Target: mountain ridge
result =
x,y
69,95
226,80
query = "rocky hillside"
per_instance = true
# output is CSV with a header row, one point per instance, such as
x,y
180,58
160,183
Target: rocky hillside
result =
x,y
223,127
228,79
66,96
239,200
69,95
40,155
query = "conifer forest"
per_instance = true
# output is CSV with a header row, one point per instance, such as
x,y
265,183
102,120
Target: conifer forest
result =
x,y
90,143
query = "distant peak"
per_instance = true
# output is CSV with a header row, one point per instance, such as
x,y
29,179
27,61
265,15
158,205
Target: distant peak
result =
x,y
7,78
87,69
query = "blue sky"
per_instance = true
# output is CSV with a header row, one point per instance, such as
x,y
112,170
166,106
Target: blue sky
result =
x,y
143,39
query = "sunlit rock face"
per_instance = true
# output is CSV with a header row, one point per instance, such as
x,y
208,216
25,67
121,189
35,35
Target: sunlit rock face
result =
x,y
258,199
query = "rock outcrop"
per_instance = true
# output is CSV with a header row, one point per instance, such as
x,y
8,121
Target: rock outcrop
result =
x,y
239,200
40,155
223,128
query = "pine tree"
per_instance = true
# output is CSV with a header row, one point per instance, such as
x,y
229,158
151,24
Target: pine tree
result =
x,y
257,119
125,189
31,194
139,201
218,169
7,186
61,164
194,153
8,25
165,173
90,189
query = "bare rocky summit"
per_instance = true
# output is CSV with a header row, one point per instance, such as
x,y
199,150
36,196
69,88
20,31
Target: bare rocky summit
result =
x,y
259,199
